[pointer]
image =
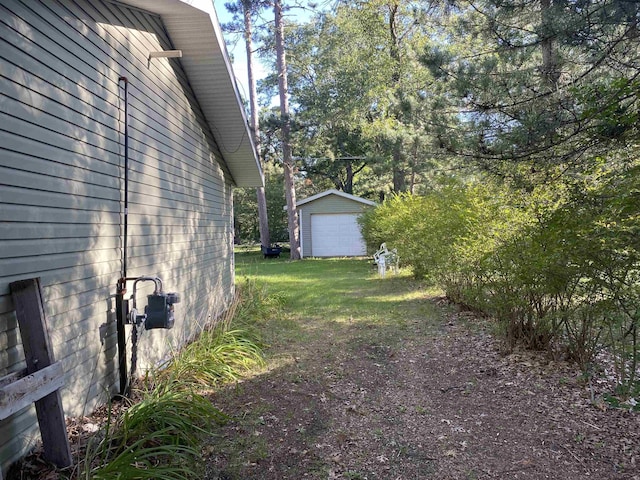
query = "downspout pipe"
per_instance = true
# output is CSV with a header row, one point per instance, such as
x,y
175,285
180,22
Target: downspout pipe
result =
x,y
126,175
121,288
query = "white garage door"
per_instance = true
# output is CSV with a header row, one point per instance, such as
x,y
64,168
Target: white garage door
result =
x,y
336,235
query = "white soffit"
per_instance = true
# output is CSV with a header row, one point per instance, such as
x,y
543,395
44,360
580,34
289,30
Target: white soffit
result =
x,y
193,28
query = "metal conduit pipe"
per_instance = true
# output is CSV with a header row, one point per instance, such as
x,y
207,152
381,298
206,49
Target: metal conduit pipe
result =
x,y
159,312
121,288
126,175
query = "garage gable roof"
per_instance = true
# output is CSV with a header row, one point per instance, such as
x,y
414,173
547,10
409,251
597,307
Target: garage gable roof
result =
x,y
333,191
193,28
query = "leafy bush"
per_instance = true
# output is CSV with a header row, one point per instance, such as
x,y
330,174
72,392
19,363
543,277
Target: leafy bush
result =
x,y
557,266
424,229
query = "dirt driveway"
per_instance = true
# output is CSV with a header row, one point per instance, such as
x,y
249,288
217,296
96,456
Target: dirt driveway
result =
x,y
428,397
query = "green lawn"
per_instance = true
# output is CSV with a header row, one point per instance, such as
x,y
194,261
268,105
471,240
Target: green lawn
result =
x,y
336,317
367,377
329,295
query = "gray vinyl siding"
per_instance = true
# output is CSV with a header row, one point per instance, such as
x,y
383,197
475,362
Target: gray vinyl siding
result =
x,y
327,204
61,200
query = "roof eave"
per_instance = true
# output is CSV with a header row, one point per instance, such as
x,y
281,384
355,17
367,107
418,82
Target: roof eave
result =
x,y
333,191
196,31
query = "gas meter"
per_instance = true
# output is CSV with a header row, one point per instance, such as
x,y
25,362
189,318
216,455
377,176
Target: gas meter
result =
x,y
159,311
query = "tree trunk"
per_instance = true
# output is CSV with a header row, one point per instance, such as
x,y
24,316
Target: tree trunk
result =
x,y
348,183
394,50
263,219
399,180
550,70
287,158
414,167
632,19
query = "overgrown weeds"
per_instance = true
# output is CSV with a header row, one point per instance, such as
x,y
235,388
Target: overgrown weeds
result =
x,y
256,304
219,355
160,435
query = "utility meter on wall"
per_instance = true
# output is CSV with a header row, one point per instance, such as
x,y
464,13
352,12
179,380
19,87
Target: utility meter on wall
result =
x,y
159,311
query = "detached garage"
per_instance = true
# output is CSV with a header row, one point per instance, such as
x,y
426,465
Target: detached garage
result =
x,y
329,224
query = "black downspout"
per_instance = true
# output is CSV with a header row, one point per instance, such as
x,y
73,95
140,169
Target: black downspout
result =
x,y
126,176
122,282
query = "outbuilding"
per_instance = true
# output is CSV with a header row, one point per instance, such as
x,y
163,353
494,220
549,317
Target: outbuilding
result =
x,y
114,110
329,224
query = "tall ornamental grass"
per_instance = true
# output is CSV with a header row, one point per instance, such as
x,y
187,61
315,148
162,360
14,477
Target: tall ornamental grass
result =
x,y
159,436
156,438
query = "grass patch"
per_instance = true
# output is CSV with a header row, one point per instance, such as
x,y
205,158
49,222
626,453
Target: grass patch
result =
x,y
161,434
158,437
219,355
283,307
327,308
325,295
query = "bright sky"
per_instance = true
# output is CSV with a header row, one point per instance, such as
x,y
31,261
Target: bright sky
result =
x,y
237,52
237,48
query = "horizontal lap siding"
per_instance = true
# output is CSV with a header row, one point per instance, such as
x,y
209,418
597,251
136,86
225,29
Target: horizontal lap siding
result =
x,y
61,159
326,204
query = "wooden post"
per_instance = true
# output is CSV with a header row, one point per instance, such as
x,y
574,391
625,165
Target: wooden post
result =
x,y
29,307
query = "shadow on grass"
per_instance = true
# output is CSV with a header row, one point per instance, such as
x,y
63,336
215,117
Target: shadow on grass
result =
x,y
338,315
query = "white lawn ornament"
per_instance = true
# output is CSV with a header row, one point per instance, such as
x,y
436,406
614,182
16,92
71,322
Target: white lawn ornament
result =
x,y
382,266
386,258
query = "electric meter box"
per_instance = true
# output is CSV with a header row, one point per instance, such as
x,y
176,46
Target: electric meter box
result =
x,y
159,310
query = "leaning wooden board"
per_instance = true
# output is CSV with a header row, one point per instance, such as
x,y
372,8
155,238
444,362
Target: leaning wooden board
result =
x,y
43,378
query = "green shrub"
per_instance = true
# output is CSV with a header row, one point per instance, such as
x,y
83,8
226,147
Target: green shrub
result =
x,y
424,229
558,266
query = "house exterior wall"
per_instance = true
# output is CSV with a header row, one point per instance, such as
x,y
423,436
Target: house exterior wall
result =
x,y
61,191
327,204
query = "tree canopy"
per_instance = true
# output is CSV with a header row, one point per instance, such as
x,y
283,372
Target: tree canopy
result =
x,y
388,96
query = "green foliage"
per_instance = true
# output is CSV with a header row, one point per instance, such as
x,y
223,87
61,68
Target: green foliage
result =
x,y
219,355
361,99
550,97
159,437
256,304
558,267
540,84
426,230
222,353
245,209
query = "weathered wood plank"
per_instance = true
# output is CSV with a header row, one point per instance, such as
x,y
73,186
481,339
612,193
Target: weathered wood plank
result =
x,y
22,392
27,299
12,377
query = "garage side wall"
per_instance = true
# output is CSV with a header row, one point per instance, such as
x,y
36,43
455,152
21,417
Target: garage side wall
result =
x,y
61,191
327,204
